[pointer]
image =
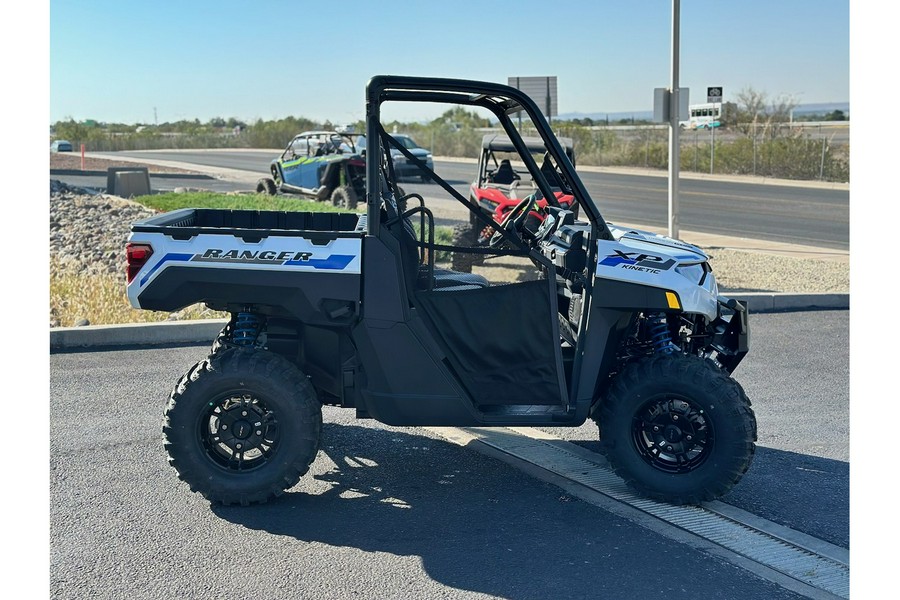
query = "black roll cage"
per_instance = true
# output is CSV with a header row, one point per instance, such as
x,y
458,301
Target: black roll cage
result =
x,y
347,136
502,101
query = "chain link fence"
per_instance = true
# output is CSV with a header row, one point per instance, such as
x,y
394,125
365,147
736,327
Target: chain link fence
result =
x,y
801,152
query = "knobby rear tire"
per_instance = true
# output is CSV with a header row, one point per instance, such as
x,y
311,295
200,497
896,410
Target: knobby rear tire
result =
x,y
281,389
266,186
465,236
344,197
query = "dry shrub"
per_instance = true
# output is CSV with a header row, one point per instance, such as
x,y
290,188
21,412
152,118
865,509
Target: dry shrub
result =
x,y
101,299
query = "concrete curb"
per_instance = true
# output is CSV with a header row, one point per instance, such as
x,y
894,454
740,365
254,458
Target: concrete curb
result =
x,y
205,330
165,332
779,302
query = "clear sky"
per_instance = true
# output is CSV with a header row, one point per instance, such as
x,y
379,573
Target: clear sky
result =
x,y
117,61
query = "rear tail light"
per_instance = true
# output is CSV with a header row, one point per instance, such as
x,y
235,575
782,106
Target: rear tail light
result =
x,y
137,256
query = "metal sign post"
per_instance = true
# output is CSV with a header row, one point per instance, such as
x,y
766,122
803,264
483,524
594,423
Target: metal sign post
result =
x,y
674,104
714,97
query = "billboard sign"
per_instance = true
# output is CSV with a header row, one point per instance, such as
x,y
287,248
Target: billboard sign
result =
x,y
540,89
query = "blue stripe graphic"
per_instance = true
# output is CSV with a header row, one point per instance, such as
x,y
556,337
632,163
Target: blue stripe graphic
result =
x,y
172,256
335,262
612,261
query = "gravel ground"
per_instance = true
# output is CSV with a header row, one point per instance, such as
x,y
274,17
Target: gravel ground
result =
x,y
88,234
744,271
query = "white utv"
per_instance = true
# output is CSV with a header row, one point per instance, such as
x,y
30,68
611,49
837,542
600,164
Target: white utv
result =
x,y
623,327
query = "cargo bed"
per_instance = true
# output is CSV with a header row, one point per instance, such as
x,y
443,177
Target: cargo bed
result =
x,y
189,222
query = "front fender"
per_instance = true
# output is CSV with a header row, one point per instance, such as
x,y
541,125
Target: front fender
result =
x,y
277,173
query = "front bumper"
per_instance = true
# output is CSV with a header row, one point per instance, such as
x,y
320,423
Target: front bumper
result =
x,y
405,167
731,333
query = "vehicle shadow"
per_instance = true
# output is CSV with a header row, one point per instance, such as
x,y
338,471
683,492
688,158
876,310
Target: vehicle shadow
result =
x,y
803,492
475,523
806,493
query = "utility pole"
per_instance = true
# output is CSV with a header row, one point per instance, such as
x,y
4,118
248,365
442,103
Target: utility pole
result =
x,y
674,103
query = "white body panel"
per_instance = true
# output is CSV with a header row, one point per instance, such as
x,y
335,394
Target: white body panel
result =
x,y
659,261
216,251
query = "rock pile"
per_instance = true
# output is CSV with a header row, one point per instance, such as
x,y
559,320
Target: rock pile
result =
x,y
88,231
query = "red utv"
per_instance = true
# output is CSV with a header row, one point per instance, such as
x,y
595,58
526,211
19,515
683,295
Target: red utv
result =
x,y
500,185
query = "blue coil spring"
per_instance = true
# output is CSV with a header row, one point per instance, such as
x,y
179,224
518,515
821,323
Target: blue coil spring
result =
x,y
659,333
247,327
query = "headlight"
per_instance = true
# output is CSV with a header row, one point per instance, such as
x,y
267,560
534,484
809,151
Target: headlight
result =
x,y
694,273
700,274
428,157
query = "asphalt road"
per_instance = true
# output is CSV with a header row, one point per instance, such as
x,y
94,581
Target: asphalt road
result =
x,y
796,215
389,512
790,214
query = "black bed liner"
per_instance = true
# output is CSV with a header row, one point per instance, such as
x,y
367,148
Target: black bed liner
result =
x,y
189,222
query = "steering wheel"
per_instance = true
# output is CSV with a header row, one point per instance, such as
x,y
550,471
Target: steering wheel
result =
x,y
513,221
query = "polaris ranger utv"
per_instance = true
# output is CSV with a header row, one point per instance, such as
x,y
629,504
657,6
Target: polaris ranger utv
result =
x,y
623,327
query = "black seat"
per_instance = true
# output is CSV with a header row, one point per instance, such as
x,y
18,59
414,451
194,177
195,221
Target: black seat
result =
x,y
504,174
418,275
447,280
549,172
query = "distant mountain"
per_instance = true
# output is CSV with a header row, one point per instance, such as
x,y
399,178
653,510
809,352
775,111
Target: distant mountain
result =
x,y
822,108
637,115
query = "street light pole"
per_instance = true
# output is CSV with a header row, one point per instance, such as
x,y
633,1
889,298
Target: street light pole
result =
x,y
674,149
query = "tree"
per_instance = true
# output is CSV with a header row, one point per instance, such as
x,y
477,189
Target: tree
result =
x,y
85,132
461,118
755,115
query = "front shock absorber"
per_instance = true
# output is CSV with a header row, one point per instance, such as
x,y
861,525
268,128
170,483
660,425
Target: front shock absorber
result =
x,y
660,337
246,328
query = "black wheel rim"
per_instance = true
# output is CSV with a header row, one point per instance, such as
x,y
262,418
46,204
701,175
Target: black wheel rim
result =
x,y
239,432
672,434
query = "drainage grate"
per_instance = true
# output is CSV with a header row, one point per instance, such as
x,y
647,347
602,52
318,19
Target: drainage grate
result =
x,y
789,559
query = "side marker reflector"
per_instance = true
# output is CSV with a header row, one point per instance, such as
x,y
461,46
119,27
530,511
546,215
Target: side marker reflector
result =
x,y
672,299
